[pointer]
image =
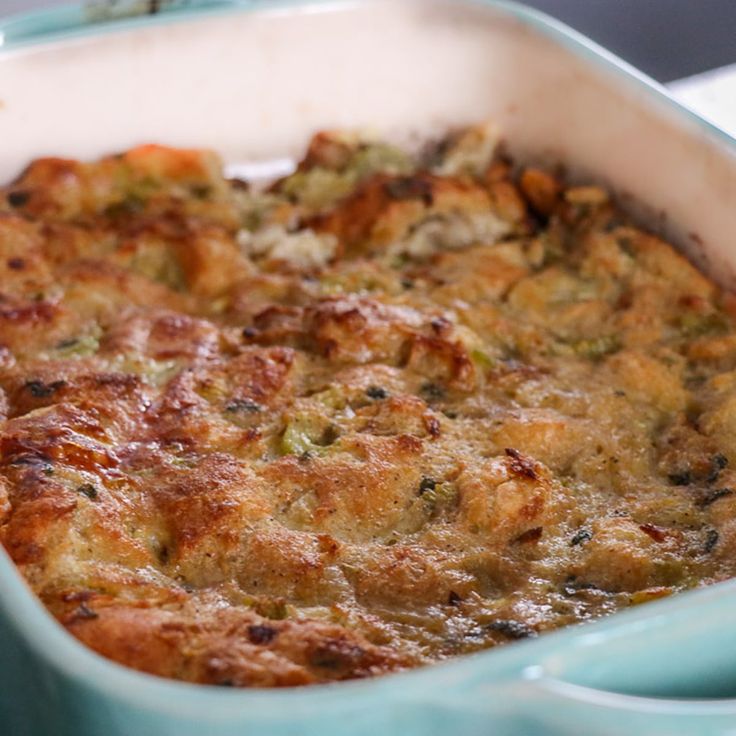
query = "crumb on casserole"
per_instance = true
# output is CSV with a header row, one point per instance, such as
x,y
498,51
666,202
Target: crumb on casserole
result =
x,y
390,409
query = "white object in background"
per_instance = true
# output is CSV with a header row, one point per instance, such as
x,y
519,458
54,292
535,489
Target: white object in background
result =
x,y
711,94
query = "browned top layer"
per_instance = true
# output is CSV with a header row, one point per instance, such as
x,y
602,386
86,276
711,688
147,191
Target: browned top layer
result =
x,y
391,410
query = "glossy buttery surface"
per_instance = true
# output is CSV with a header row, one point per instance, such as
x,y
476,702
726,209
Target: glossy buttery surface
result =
x,y
392,410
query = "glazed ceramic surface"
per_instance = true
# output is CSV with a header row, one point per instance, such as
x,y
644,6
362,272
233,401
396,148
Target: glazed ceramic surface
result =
x,y
254,80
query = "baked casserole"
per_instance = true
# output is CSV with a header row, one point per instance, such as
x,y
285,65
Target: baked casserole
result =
x,y
389,409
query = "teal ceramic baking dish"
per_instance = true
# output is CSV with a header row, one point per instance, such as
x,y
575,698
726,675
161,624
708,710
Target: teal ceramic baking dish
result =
x,y
253,80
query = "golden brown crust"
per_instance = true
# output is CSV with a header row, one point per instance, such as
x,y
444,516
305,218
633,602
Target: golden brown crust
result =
x,y
388,411
228,647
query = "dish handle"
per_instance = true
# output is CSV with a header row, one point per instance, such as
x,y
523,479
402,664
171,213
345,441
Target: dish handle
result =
x,y
548,705
560,707
665,669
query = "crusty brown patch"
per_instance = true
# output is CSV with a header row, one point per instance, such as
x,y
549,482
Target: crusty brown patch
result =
x,y
230,647
384,208
495,408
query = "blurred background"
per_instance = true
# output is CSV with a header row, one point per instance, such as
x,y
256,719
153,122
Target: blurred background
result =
x,y
668,39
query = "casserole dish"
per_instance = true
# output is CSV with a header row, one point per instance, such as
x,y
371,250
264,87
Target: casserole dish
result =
x,y
486,61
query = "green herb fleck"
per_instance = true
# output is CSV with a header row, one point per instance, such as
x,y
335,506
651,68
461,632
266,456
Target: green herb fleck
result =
x,y
597,347
582,535
87,489
244,405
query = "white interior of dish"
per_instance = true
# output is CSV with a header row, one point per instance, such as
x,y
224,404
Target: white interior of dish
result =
x,y
255,85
